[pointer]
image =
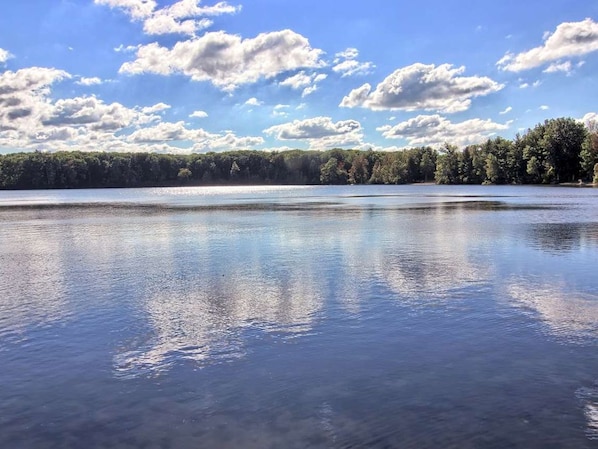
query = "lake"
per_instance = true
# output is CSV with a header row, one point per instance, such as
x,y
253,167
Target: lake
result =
x,y
299,317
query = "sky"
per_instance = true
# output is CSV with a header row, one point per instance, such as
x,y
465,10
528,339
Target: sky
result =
x,y
192,76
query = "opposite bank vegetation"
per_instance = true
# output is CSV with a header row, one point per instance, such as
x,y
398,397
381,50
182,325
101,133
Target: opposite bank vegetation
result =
x,y
557,151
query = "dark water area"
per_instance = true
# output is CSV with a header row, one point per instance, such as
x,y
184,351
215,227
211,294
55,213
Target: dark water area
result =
x,y
299,317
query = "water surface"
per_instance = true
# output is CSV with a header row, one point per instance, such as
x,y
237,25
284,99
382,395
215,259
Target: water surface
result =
x,y
326,317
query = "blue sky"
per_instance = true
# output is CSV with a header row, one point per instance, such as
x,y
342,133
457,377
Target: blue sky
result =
x,y
201,75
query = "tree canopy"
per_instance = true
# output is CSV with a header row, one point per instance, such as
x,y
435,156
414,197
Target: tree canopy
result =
x,y
558,150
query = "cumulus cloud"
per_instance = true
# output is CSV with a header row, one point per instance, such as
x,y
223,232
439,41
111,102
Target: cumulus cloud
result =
x,y
158,107
435,130
30,80
198,114
559,67
566,67
226,60
23,97
313,128
320,132
570,39
309,82
254,102
4,56
30,119
226,141
163,24
166,131
94,114
298,80
137,9
422,87
182,17
346,64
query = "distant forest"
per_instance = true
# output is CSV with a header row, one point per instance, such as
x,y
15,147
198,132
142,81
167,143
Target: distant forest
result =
x,y
557,151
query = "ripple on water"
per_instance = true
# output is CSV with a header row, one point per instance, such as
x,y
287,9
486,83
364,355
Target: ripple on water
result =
x,y
589,401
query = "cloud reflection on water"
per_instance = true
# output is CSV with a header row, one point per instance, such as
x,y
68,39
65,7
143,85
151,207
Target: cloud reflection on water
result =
x,y
201,298
568,314
33,291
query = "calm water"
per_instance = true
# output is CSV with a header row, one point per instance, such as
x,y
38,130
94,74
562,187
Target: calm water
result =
x,y
325,317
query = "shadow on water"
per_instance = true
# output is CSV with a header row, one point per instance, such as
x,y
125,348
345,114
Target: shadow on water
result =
x,y
333,206
562,237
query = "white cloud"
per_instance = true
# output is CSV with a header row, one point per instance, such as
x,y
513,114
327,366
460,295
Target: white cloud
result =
x,y
320,132
309,90
23,98
165,132
298,80
227,141
254,102
590,117
421,86
4,56
158,107
280,110
302,79
570,39
226,60
351,67
29,120
565,67
30,80
346,64
92,113
137,9
163,24
544,108
191,8
506,111
129,48
198,114
349,53
313,128
182,17
525,85
435,130
83,81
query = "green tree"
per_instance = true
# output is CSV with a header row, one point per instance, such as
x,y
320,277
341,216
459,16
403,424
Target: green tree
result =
x,y
447,166
589,151
563,140
332,172
492,169
427,164
184,175
359,173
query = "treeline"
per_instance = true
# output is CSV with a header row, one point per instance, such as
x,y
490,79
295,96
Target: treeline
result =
x,y
556,151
